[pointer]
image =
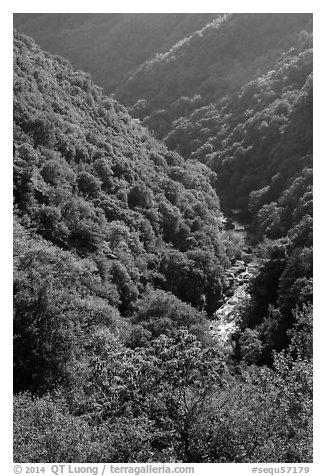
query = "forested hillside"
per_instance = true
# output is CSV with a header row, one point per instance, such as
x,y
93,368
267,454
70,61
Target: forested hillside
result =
x,y
258,140
92,182
212,62
109,45
122,257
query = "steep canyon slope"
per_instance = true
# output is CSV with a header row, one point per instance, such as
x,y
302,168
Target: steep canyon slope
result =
x,y
109,45
122,257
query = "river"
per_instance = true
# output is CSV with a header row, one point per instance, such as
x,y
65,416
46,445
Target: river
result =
x,y
227,317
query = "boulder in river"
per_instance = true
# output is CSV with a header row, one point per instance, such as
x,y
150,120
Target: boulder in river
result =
x,y
245,277
239,262
239,269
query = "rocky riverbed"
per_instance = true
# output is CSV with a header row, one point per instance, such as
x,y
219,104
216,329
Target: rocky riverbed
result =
x,y
227,317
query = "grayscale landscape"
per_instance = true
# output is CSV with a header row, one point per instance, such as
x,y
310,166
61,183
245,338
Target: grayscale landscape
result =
x,y
163,237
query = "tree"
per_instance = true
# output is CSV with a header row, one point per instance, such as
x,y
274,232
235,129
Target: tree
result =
x,y
250,346
171,382
88,184
161,312
140,196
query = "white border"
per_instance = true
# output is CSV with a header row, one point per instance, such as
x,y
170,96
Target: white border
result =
x,y
203,6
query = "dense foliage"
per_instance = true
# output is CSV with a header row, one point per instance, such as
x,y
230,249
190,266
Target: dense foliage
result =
x,y
109,45
171,402
213,62
120,261
257,138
